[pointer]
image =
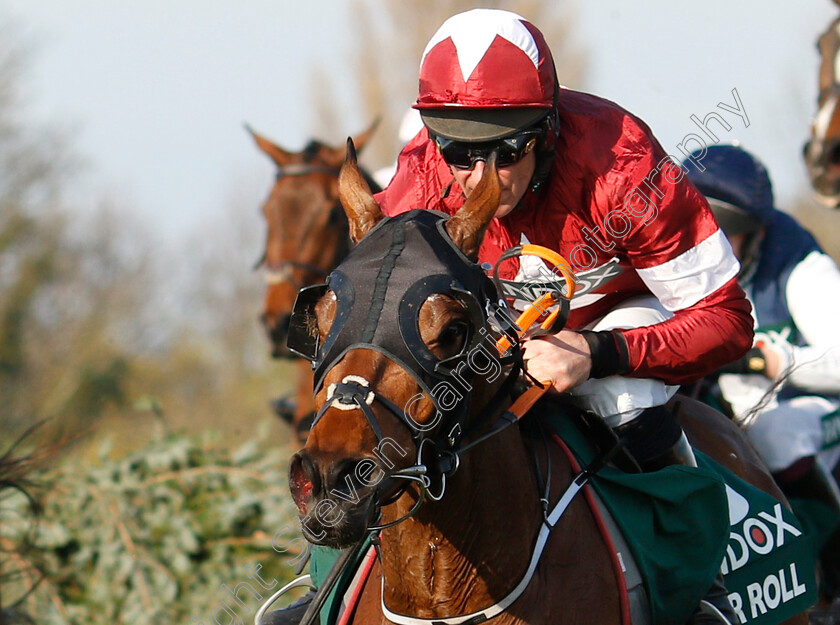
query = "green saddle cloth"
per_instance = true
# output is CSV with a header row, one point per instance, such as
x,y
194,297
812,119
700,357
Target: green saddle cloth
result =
x,y
674,521
320,564
685,524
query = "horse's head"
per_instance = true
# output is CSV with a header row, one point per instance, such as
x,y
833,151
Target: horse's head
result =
x,y
822,152
402,358
307,229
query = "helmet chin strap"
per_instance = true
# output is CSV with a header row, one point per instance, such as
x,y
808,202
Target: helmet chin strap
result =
x,y
545,148
544,161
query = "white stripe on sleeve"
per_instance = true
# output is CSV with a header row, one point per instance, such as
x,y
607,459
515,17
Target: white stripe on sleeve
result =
x,y
700,271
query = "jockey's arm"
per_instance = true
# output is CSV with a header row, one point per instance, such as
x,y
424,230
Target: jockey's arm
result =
x,y
711,323
687,346
813,299
695,341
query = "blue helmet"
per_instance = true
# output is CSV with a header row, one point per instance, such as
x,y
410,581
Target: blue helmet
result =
x,y
737,186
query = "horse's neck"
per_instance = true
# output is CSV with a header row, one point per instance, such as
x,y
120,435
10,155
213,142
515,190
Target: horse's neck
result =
x,y
467,551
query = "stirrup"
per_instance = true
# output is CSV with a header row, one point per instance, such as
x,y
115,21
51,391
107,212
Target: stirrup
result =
x,y
715,608
303,580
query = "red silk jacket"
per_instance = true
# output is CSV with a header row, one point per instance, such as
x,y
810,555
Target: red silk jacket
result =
x,y
626,216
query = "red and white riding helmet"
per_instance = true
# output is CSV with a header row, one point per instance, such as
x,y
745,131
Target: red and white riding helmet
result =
x,y
485,74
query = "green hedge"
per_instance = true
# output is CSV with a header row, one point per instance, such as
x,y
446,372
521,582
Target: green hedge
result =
x,y
164,536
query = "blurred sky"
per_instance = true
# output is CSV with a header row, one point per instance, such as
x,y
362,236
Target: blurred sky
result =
x,y
157,91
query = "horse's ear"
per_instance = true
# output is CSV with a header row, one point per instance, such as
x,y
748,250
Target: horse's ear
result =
x,y
363,212
280,156
466,228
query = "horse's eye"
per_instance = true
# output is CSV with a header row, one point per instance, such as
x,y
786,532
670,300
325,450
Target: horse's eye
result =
x,y
325,314
454,336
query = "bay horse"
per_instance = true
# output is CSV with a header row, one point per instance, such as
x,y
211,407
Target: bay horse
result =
x,y
307,236
822,151
383,345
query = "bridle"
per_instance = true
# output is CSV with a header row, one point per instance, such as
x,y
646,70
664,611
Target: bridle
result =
x,y
282,271
365,319
415,260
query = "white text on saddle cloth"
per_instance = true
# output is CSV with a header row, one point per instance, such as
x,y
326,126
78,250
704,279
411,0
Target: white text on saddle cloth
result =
x,y
763,576
767,595
756,536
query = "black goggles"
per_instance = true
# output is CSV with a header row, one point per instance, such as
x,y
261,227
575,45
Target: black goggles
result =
x,y
510,150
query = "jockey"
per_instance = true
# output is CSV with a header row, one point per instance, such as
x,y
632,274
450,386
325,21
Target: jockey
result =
x,y
659,301
787,386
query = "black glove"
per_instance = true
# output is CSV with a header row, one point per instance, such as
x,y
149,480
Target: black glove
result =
x,y
751,362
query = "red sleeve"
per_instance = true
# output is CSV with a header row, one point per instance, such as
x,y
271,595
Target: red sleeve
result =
x,y
677,249
695,341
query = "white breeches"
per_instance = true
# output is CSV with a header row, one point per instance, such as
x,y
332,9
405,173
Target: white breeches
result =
x,y
792,429
618,399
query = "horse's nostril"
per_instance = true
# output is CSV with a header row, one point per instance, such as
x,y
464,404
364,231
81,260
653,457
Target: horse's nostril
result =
x,y
304,482
833,154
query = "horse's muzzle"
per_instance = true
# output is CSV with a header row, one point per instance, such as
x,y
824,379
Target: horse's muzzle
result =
x,y
334,505
278,331
822,160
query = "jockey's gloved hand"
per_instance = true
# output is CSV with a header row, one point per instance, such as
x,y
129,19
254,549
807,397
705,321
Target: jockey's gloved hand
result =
x,y
751,362
755,360
779,345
